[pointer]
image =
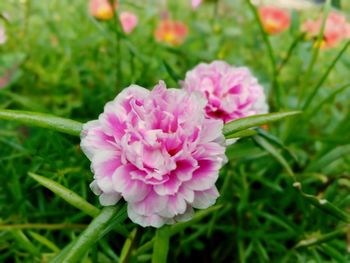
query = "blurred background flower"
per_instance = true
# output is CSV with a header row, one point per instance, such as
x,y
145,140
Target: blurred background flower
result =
x,y
274,20
196,4
336,29
129,21
171,32
102,9
232,92
2,35
290,4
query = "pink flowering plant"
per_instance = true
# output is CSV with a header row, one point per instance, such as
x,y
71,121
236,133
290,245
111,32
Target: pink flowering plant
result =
x,y
174,131
157,151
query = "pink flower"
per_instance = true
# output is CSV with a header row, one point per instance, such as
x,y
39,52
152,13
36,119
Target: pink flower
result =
x,y
274,20
3,37
102,9
171,32
232,92
336,29
128,21
196,4
156,150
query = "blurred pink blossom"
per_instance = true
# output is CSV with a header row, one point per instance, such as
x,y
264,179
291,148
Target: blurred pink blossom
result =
x,y
196,4
232,92
157,151
274,19
336,29
171,32
129,21
102,9
3,37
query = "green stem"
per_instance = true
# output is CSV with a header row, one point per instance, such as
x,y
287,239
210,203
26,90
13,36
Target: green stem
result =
x,y
161,245
118,32
290,51
90,235
311,113
325,76
315,52
323,238
275,93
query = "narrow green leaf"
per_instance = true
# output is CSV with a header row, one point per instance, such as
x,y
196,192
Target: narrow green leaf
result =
x,y
255,121
90,236
41,226
261,251
324,205
315,51
172,73
333,253
66,194
113,224
24,242
43,240
325,76
174,229
128,244
43,120
275,153
326,100
178,227
272,138
319,239
242,134
161,245
328,158
25,101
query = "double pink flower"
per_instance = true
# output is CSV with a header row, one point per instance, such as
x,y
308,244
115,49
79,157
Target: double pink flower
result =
x,y
161,150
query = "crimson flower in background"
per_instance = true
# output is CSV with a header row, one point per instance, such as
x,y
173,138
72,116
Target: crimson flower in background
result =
x,y
336,29
274,20
171,32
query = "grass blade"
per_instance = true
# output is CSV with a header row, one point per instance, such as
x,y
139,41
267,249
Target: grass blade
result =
x,y
254,121
328,99
161,245
324,205
43,240
43,120
127,247
319,239
316,50
274,152
242,134
178,227
66,194
24,242
325,76
328,158
90,236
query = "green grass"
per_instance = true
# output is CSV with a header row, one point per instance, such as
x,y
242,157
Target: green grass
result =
x,y
69,67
